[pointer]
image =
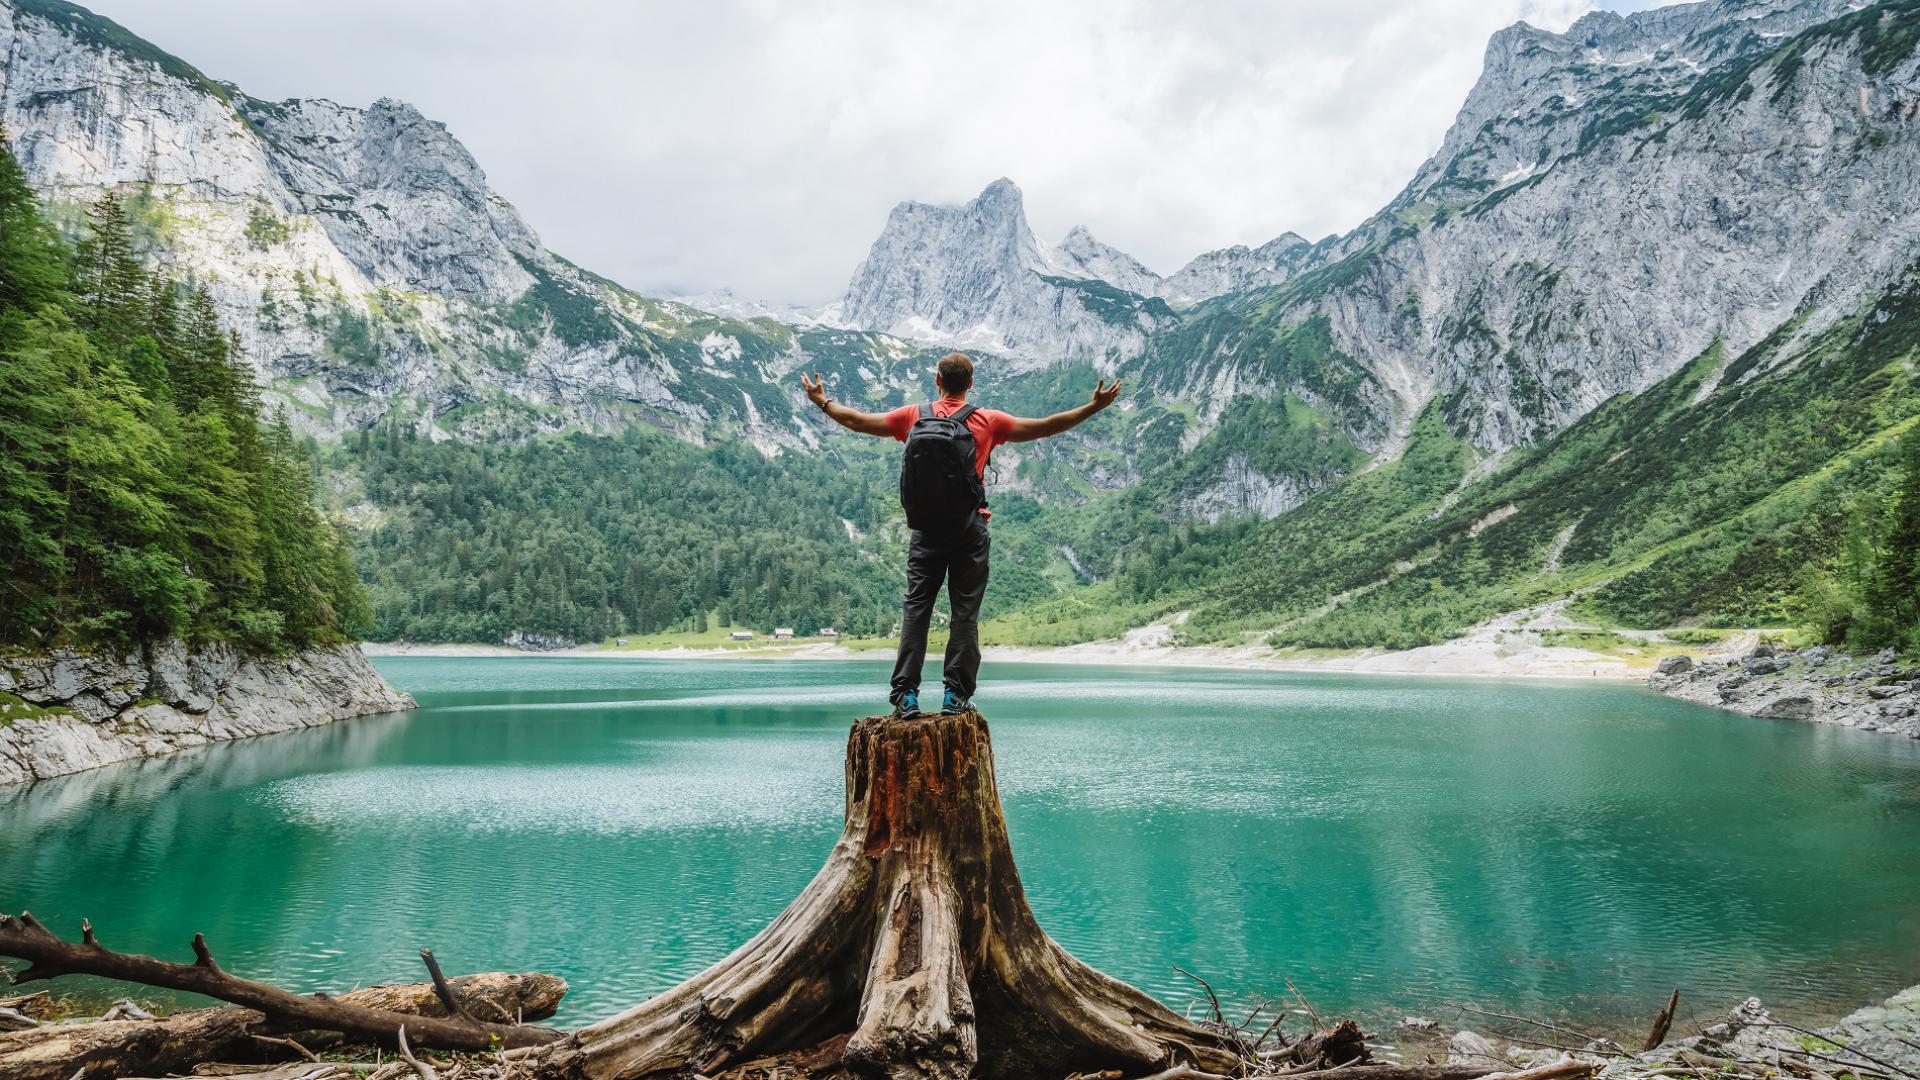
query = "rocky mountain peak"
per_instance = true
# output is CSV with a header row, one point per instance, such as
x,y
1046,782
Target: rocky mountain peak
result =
x,y
973,276
1080,255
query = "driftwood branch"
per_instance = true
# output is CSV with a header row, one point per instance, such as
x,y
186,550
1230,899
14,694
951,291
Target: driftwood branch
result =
x,y
1662,1022
440,987
1219,1018
48,956
180,1041
406,1054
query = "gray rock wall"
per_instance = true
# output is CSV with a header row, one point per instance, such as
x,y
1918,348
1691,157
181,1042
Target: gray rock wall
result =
x,y
67,712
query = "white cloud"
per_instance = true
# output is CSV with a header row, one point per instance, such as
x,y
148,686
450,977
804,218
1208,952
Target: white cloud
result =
x,y
760,145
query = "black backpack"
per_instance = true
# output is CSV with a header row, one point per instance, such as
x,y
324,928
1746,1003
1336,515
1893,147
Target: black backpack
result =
x,y
940,488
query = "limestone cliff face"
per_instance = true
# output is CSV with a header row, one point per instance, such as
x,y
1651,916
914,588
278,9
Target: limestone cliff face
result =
x,y
367,265
1610,203
86,711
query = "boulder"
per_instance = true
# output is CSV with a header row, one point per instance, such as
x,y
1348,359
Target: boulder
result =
x,y
1675,665
1791,707
1472,1048
1881,693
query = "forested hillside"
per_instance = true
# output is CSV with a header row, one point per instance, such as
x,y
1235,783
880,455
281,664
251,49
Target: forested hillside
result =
x,y
140,496
1778,487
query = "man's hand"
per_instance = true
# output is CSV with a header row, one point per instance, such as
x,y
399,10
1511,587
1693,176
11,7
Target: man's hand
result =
x,y
1028,430
865,423
817,390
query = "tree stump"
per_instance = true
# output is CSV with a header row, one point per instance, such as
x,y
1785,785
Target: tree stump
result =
x,y
915,937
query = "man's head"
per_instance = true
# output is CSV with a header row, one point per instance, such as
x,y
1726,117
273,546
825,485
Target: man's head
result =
x,y
955,374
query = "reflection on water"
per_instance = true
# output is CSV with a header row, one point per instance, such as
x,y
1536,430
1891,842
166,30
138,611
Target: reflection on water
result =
x,y
1385,843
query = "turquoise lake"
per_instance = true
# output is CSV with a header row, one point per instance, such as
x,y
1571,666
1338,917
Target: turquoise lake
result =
x,y
1391,845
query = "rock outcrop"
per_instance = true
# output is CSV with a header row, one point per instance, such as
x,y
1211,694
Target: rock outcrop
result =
x,y
67,712
1818,685
1235,269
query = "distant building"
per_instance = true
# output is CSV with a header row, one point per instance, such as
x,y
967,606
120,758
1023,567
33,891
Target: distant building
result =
x,y
783,633
620,641
829,632
741,635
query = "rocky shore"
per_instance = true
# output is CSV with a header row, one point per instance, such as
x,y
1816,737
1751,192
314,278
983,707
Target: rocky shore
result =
x,y
1818,685
1880,1040
66,711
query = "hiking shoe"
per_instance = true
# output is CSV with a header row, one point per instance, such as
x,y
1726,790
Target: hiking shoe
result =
x,y
907,705
954,704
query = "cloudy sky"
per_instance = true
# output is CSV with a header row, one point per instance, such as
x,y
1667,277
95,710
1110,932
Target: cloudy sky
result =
x,y
681,147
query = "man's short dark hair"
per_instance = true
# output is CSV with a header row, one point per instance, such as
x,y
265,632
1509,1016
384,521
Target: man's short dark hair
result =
x,y
956,373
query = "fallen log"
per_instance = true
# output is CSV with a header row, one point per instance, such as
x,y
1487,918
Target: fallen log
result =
x,y
48,956
178,1042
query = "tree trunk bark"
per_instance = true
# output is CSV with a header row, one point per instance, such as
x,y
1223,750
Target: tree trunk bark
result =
x,y
915,937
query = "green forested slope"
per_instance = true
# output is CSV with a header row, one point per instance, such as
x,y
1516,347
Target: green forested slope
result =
x,y
139,495
585,536
1764,489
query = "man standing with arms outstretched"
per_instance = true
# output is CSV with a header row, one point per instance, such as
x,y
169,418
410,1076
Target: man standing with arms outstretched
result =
x,y
943,490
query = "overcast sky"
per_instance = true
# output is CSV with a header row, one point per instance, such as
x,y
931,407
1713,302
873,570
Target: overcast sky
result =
x,y
759,145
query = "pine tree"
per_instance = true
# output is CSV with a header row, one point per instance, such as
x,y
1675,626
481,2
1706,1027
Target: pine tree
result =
x,y
112,285
203,374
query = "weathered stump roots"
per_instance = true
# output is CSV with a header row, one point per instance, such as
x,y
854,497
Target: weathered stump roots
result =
x,y
916,937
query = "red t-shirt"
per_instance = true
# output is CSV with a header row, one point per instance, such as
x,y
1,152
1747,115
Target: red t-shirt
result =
x,y
990,428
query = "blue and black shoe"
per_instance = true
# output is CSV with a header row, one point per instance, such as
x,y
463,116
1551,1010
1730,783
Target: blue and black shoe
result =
x,y
907,705
953,704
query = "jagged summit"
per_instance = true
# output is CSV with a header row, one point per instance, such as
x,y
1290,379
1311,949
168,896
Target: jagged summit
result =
x,y
1080,255
973,276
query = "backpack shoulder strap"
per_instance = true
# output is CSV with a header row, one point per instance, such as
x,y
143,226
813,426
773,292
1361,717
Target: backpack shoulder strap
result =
x,y
960,415
926,410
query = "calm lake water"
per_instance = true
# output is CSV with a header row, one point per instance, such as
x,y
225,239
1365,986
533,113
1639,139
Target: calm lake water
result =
x,y
1388,844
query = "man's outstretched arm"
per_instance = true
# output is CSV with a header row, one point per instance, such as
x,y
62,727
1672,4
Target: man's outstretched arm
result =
x,y
1025,430
866,423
